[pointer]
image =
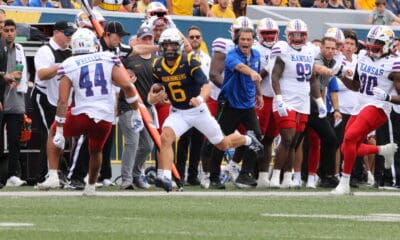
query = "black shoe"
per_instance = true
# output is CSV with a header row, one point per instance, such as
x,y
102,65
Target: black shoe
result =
x,y
255,145
164,183
217,185
245,180
193,182
77,184
329,182
1,185
353,183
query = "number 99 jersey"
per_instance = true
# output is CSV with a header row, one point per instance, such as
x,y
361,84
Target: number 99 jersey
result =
x,y
91,77
182,81
295,79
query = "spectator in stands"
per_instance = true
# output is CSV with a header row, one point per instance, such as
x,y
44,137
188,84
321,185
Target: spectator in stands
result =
x,y
335,4
185,7
320,4
381,16
112,5
41,3
275,3
290,3
14,103
365,4
239,7
222,9
393,6
142,5
20,3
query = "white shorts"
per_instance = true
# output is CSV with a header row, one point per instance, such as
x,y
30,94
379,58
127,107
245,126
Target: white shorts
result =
x,y
199,117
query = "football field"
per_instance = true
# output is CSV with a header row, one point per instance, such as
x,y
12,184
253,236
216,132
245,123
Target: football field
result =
x,y
194,214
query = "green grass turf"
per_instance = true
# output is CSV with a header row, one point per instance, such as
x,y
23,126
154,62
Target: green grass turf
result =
x,y
185,217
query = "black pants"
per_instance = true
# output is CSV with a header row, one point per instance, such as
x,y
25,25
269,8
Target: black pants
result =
x,y
395,118
45,113
194,138
329,143
229,119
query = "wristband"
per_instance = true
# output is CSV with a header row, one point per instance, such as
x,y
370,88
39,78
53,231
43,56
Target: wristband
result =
x,y
132,99
319,101
200,99
336,110
278,98
60,119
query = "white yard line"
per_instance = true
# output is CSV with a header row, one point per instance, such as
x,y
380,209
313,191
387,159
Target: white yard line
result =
x,y
15,224
378,217
188,193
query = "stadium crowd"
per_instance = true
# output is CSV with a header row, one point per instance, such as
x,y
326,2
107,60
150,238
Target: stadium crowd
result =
x,y
259,103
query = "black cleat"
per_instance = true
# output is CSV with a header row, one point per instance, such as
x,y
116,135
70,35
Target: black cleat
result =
x,y
255,145
217,185
245,180
164,183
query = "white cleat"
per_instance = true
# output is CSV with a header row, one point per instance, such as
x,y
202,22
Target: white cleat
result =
x,y
296,183
49,183
371,179
15,181
341,189
287,180
263,183
311,185
205,182
90,190
388,151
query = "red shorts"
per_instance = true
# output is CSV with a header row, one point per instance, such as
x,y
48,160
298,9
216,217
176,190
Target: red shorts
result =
x,y
293,120
266,118
162,113
81,124
212,106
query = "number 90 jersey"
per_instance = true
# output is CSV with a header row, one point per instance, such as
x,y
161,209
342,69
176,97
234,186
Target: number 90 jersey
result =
x,y
182,81
295,79
375,73
91,79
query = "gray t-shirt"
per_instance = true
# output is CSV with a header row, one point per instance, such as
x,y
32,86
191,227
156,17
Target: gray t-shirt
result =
x,y
13,102
385,18
320,60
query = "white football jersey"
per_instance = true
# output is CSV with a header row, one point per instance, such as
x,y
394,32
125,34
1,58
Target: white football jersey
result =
x,y
295,79
266,87
222,45
375,73
91,77
347,98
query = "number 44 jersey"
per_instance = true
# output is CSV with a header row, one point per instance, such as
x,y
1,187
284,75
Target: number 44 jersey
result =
x,y
375,73
91,77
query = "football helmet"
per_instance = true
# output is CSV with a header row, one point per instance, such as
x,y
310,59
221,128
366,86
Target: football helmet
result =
x,y
296,33
240,22
156,9
84,41
268,32
379,41
336,34
171,35
82,20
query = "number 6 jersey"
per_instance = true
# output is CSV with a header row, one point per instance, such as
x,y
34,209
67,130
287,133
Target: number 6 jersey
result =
x,y
91,77
375,73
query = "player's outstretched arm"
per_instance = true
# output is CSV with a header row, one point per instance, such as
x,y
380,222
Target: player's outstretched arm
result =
x,y
121,78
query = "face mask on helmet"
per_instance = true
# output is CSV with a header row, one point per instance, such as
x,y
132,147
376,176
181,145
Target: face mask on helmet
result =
x,y
83,41
379,41
171,43
268,32
296,33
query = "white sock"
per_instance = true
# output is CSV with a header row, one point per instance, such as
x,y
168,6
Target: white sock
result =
x,y
311,178
345,179
297,176
248,140
53,173
276,173
167,174
263,176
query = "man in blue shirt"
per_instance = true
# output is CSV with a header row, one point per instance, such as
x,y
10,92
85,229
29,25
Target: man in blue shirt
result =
x,y
240,94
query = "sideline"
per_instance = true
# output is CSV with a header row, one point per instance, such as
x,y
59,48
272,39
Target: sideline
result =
x,y
191,194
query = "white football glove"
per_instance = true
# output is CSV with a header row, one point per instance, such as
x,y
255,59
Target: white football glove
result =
x,y
380,94
281,106
136,121
321,107
59,139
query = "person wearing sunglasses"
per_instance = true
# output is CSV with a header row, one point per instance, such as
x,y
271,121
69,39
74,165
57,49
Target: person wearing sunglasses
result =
x,y
320,4
45,92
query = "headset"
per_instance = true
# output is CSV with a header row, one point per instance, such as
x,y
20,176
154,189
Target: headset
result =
x,y
236,37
